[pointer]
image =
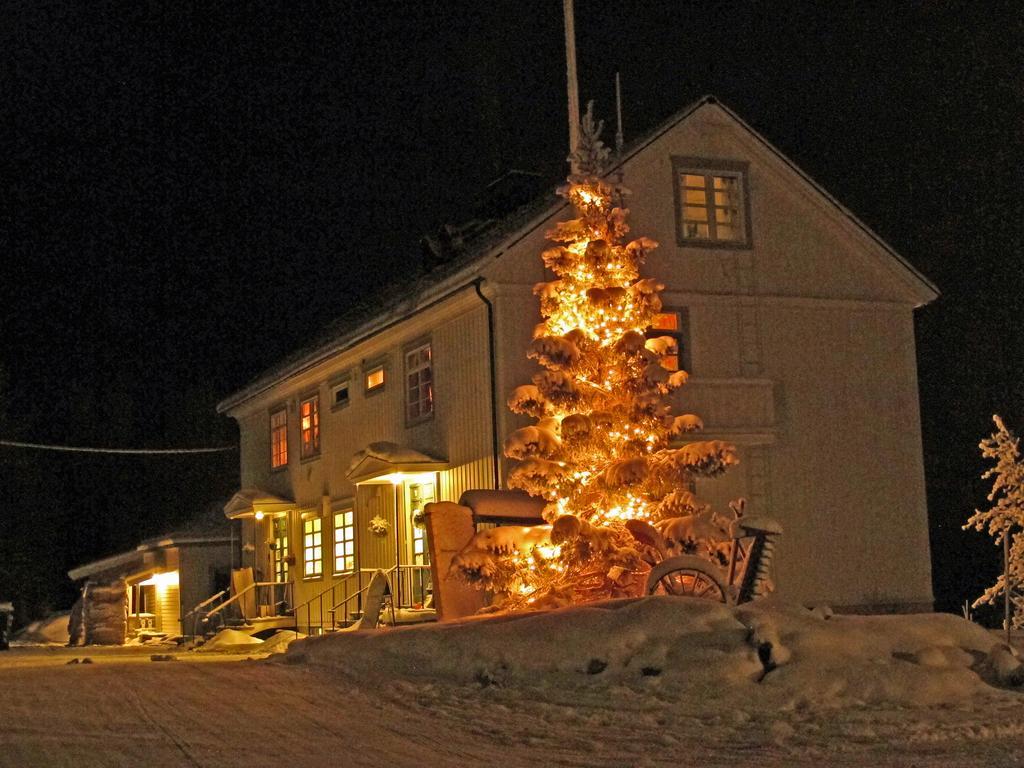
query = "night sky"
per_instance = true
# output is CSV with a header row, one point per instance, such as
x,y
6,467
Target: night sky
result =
x,y
190,192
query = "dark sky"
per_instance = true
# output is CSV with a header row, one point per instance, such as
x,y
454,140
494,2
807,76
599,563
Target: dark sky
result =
x,y
189,191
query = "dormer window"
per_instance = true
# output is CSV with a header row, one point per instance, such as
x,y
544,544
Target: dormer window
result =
x,y
712,202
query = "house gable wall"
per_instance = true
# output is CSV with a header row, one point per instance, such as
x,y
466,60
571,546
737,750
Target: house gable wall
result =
x,y
802,353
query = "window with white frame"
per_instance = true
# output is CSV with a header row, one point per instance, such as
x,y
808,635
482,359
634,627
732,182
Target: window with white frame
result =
x,y
280,531
340,394
344,541
279,438
420,494
309,427
419,383
312,547
712,205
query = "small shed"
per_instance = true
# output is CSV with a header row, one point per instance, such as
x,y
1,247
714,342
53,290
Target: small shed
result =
x,y
147,590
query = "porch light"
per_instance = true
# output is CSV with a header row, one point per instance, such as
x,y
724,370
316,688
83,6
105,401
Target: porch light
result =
x,y
259,514
161,580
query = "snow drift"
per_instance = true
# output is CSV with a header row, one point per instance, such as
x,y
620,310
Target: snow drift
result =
x,y
761,654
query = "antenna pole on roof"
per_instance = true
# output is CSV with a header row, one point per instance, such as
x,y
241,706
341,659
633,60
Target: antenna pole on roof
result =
x,y
618,132
618,116
572,85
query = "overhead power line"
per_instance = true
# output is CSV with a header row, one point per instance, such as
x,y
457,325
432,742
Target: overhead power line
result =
x,y
122,451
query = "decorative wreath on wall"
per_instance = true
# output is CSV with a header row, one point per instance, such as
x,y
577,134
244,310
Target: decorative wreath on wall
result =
x,y
379,526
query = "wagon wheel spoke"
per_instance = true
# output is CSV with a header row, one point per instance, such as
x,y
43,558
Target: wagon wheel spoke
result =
x,y
689,581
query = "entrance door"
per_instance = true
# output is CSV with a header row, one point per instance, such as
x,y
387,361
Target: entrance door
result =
x,y
280,548
418,495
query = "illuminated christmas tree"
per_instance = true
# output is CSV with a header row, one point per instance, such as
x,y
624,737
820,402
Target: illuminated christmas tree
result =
x,y
601,450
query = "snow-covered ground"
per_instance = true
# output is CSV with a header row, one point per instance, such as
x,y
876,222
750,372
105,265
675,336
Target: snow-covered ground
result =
x,y
661,681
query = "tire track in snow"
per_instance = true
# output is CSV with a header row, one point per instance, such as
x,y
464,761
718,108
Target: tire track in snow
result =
x,y
140,707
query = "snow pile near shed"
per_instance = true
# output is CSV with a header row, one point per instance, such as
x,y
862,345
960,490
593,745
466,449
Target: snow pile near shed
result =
x,y
230,639
758,655
236,641
52,629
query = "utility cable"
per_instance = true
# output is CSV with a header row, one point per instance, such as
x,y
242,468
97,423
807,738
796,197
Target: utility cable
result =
x,y
128,451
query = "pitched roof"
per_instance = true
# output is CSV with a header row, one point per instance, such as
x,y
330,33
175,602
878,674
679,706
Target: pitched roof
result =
x,y
406,295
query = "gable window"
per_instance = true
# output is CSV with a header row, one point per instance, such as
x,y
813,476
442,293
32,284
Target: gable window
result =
x,y
309,427
419,383
344,541
312,547
279,438
374,378
712,203
672,325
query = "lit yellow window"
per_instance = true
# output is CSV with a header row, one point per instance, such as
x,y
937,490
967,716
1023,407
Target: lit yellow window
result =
x,y
312,547
375,378
279,438
344,541
668,325
309,427
712,207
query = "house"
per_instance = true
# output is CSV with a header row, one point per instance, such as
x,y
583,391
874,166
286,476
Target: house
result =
x,y
794,320
150,590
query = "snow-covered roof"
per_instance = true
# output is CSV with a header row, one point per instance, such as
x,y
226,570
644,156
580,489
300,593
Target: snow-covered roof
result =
x,y
377,460
249,501
407,295
208,528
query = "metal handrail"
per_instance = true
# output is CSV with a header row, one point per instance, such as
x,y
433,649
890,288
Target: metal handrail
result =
x,y
231,600
333,610
392,573
345,580
195,611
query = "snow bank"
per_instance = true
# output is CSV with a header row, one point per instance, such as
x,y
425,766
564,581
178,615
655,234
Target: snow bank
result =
x,y
52,629
758,655
236,641
230,639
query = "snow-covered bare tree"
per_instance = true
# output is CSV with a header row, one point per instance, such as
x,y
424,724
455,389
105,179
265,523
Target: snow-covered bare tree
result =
x,y
1006,516
601,449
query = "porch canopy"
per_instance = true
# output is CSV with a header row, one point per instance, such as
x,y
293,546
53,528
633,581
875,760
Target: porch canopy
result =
x,y
383,462
248,501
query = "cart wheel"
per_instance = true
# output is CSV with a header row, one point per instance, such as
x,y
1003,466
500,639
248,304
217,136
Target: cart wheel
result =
x,y
687,576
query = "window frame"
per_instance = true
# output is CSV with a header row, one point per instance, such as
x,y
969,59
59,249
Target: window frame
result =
x,y
281,410
282,547
410,349
371,366
335,386
348,509
314,547
681,335
708,167
314,451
